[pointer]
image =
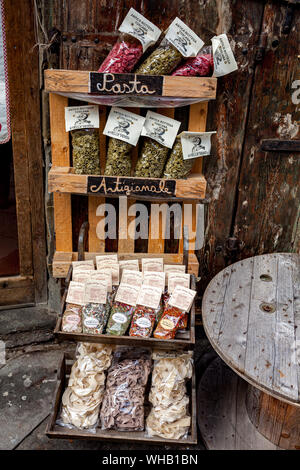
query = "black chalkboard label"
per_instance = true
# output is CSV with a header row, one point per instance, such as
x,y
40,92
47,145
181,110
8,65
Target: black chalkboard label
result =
x,y
126,186
125,84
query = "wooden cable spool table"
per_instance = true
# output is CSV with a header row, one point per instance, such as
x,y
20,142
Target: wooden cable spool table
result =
x,y
251,315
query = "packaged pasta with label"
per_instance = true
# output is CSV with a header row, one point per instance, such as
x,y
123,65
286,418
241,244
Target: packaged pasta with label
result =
x,y
169,417
137,34
179,42
200,66
82,398
123,403
159,132
176,167
146,311
122,309
94,311
72,316
134,278
83,123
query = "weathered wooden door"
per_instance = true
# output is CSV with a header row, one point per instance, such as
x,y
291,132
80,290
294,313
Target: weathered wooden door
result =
x,y
253,194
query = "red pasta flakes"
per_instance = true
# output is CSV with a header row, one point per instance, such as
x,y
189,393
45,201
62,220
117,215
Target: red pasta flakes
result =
x,y
123,57
143,322
201,66
169,323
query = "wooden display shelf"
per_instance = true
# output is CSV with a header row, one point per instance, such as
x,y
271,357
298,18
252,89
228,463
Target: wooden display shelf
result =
x,y
64,180
59,432
81,81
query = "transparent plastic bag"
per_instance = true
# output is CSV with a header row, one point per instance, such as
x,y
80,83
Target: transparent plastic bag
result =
x,y
143,321
123,404
200,66
124,55
118,159
176,167
152,159
93,318
72,319
119,319
169,323
86,151
163,60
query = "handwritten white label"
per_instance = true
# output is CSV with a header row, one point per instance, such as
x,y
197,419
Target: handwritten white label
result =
x,y
139,27
195,144
224,61
160,128
184,39
82,117
124,125
76,293
182,298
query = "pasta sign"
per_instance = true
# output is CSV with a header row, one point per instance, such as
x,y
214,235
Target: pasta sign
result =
x,y
4,101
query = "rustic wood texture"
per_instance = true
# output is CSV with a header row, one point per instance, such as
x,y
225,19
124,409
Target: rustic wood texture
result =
x,y
66,81
55,431
22,62
277,421
222,416
251,320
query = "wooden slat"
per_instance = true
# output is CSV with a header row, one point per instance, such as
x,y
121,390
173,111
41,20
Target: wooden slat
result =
x,y
60,157
78,81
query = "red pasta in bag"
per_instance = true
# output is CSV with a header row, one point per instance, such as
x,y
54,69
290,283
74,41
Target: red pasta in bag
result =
x,y
201,66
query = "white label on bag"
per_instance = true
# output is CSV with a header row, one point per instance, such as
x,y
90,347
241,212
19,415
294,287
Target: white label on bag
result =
x,y
149,296
103,260
86,264
143,322
127,294
134,278
76,293
130,264
139,27
160,128
82,117
103,274
155,279
91,322
152,264
82,275
224,61
178,279
124,125
119,318
183,38
195,144
173,268
95,292
182,298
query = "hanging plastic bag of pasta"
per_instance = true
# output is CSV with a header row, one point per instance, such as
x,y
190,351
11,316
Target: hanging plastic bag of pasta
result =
x,y
83,123
200,66
94,310
122,309
180,42
72,317
188,146
137,34
160,133
124,129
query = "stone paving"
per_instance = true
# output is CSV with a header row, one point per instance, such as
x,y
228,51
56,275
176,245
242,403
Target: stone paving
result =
x,y
28,378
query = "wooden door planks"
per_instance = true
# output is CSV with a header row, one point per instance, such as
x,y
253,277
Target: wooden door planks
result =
x,y
251,316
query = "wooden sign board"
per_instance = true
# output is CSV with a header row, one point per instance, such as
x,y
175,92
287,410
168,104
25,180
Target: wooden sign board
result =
x,y
125,83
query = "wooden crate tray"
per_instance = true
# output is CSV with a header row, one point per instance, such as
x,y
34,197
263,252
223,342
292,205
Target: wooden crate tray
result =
x,y
64,180
81,81
59,432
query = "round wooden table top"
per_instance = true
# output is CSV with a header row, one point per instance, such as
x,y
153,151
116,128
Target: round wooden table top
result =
x,y
251,315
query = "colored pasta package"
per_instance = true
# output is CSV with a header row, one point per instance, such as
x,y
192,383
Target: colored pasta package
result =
x,y
72,317
146,311
137,34
94,310
83,123
122,309
177,279
178,305
200,66
124,129
159,132
179,42
176,167
123,403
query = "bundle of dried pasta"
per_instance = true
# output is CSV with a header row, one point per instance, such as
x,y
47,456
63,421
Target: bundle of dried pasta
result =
x,y
82,398
169,417
123,403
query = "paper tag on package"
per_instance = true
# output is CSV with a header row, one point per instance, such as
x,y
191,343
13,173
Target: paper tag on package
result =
x,y
103,274
154,278
149,296
195,144
152,264
224,61
178,279
160,128
183,38
139,27
81,117
134,278
182,298
76,293
127,294
95,292
124,125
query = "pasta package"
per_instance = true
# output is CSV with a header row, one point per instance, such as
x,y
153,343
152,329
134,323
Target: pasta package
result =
x,y
145,314
123,404
94,311
72,317
122,309
176,167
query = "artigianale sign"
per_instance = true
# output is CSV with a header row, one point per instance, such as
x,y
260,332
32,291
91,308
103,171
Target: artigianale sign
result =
x,y
122,186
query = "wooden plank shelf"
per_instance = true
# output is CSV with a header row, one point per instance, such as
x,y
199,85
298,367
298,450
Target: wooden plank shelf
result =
x,y
81,81
58,432
64,180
